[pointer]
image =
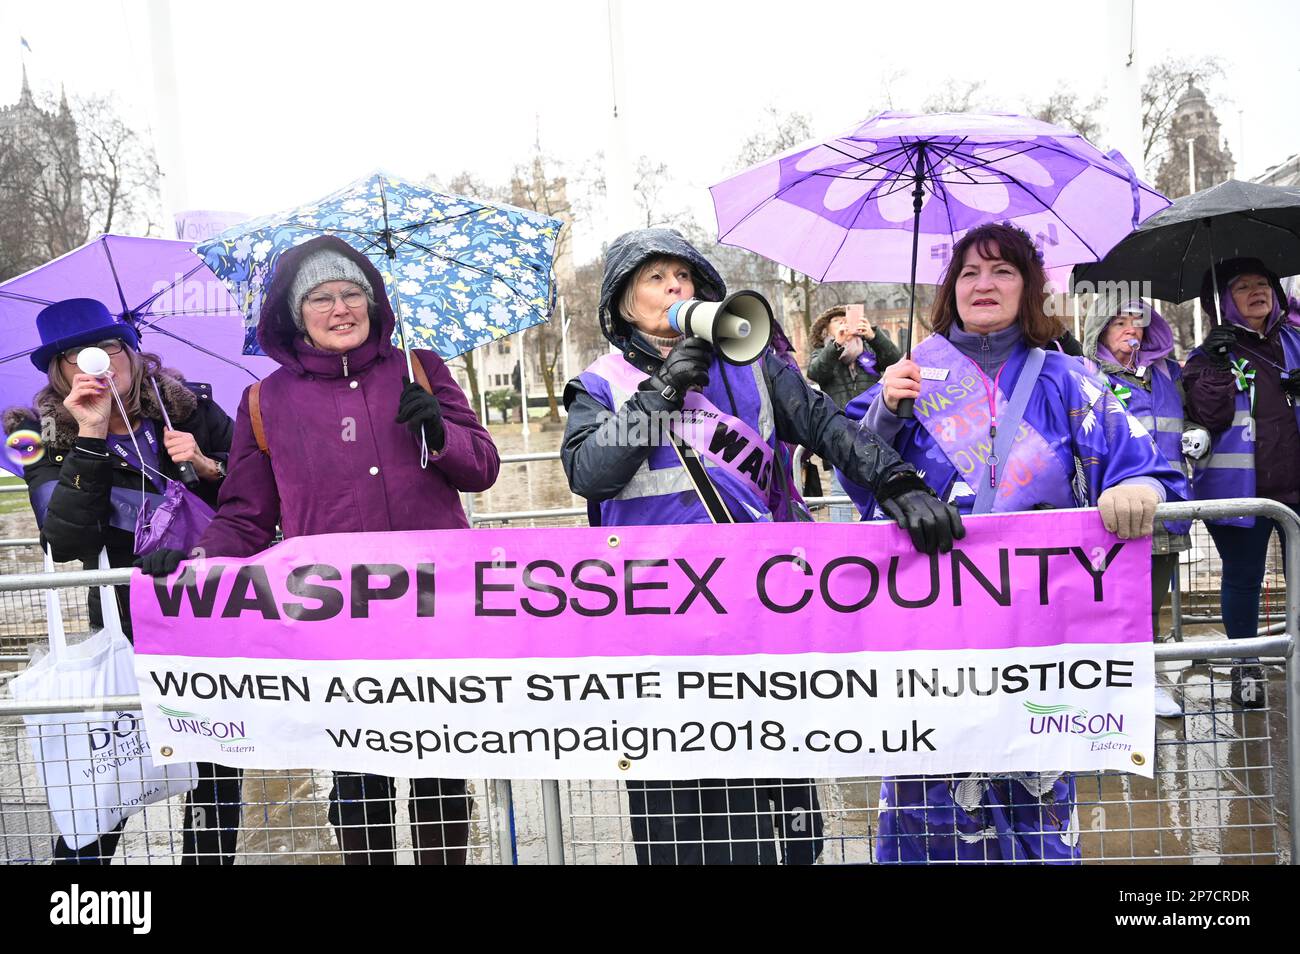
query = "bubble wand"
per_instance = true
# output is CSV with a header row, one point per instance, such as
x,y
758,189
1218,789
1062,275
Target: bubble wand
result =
x,y
95,362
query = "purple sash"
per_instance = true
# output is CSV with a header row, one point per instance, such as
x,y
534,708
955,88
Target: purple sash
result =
x,y
727,441
954,410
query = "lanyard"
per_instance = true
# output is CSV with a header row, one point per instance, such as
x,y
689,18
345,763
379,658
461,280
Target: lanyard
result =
x,y
1259,357
134,459
992,394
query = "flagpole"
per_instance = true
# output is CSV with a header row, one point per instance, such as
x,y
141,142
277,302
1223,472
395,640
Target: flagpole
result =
x,y
620,211
167,112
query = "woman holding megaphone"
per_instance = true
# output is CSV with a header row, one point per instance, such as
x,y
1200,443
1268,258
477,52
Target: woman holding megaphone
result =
x,y
634,469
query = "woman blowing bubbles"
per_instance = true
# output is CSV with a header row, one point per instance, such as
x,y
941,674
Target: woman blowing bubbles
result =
x,y
1074,446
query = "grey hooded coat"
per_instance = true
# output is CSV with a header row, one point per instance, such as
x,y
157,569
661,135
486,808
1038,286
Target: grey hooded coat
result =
x,y
599,468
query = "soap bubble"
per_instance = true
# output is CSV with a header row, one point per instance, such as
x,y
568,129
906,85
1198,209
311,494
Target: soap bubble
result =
x,y
24,447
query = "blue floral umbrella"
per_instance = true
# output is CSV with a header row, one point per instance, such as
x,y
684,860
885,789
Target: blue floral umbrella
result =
x,y
460,273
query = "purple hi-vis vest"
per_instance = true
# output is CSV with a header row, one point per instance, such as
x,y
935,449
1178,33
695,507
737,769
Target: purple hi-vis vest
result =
x,y
954,410
738,449
1229,469
1159,410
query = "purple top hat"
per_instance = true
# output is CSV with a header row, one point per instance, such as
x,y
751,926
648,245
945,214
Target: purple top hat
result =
x,y
77,321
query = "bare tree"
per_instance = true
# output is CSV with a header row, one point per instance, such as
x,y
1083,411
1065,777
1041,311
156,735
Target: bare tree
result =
x,y
540,186
69,171
468,184
120,172
774,133
649,182
777,133
1064,107
1165,85
18,233
957,96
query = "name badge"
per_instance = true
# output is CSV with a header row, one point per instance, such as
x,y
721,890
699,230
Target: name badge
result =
x,y
934,374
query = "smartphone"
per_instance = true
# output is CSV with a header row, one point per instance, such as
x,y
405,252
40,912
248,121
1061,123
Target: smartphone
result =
x,y
855,318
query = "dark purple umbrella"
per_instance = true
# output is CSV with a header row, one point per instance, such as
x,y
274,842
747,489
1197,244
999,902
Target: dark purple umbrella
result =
x,y
887,200
182,311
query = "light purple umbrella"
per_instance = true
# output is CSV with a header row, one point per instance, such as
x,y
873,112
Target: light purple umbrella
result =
x,y
887,200
842,210
182,311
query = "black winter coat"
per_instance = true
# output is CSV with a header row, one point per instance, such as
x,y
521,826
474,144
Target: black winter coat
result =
x,y
843,382
76,526
599,467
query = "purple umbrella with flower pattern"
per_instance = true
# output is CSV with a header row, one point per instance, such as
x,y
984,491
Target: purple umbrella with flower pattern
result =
x,y
887,200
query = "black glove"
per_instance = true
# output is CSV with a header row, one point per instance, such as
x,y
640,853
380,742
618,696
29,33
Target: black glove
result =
x,y
687,366
1218,343
1291,382
910,503
420,411
161,562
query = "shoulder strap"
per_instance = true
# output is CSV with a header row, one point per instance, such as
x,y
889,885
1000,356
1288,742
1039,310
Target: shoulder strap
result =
x,y
1010,424
255,402
255,417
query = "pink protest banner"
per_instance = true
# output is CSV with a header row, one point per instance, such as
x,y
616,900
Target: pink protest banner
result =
x,y
442,653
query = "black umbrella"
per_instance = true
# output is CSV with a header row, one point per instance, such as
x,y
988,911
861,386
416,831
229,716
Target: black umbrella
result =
x,y
1173,249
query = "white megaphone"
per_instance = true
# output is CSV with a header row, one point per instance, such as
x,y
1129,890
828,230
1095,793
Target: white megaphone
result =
x,y
739,327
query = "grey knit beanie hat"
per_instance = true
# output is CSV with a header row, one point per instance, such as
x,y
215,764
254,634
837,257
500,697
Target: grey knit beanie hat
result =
x,y
327,265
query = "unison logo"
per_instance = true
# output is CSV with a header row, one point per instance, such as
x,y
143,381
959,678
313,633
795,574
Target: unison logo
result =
x,y
1071,720
228,732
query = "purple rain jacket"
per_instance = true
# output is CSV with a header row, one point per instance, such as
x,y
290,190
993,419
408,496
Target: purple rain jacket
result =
x,y
340,463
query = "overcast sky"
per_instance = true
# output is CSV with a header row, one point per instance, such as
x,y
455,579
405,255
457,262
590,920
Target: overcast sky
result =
x,y
284,101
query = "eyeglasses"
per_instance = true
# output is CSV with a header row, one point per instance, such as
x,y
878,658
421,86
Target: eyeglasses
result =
x,y
111,346
322,303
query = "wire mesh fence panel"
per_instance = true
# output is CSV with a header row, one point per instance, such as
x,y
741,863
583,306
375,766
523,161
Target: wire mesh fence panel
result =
x,y
1219,793
22,612
1217,797
254,817
1200,569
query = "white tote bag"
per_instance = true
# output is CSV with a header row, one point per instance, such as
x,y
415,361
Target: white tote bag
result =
x,y
95,766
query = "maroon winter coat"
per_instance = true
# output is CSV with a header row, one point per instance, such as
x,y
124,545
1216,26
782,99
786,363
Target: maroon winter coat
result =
x,y
1211,393
340,463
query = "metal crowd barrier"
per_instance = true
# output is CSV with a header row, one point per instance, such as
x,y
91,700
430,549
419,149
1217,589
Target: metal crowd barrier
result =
x,y
1222,790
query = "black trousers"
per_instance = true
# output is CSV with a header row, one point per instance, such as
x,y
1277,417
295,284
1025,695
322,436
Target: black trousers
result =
x,y
362,808
725,821
212,814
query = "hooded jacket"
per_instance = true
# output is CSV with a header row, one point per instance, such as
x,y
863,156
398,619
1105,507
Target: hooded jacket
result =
x,y
1215,402
72,486
1155,396
339,462
600,466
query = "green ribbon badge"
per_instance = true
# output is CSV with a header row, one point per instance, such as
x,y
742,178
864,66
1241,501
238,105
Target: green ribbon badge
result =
x,y
1244,375
1122,393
